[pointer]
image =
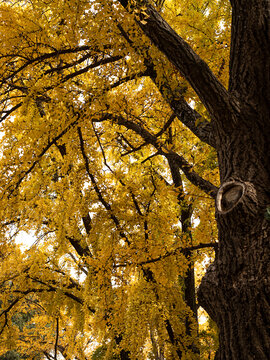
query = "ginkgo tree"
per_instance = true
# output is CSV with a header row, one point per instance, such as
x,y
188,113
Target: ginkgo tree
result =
x,y
118,134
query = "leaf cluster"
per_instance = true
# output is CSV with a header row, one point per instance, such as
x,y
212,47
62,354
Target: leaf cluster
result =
x,y
102,163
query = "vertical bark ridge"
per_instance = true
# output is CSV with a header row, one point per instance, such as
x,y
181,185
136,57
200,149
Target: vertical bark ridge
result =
x,y
250,52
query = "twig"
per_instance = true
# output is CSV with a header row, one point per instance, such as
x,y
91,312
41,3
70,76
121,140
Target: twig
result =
x,y
56,338
170,253
106,205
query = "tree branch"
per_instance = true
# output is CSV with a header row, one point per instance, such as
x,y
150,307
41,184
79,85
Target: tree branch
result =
x,y
46,56
179,160
53,287
171,253
106,205
188,116
43,152
211,92
81,250
56,338
166,125
10,111
92,66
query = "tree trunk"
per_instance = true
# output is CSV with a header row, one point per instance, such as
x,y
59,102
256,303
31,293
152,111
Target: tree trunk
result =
x,y
236,289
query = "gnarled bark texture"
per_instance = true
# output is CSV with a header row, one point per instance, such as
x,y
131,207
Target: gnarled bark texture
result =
x,y
236,289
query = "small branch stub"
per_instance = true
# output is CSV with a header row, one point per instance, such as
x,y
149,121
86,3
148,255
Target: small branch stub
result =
x,y
229,195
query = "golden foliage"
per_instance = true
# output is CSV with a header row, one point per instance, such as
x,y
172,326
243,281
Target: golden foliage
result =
x,y
81,174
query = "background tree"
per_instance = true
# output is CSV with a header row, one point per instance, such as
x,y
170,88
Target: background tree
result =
x,y
109,160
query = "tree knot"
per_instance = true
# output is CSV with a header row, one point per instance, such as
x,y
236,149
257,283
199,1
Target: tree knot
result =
x,y
236,192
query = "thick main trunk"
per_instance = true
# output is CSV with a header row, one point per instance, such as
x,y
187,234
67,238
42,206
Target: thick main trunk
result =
x,y
236,289
236,293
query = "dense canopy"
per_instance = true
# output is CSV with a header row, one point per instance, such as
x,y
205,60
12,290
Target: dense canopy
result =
x,y
108,172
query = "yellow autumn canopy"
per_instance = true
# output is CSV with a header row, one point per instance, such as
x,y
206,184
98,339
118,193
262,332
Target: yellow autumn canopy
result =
x,y
96,167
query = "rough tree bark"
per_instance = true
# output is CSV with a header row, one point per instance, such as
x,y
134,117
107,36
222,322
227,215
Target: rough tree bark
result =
x,y
236,288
